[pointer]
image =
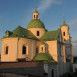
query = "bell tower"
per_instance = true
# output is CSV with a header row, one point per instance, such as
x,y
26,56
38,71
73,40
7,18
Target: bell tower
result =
x,y
65,30
67,40
36,15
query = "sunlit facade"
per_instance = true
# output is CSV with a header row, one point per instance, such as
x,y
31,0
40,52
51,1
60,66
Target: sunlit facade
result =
x,y
37,44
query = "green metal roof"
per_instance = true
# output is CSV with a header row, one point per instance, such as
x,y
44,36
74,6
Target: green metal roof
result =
x,y
35,23
21,32
44,57
50,35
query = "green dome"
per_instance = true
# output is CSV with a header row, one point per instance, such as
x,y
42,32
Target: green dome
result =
x,y
44,57
35,23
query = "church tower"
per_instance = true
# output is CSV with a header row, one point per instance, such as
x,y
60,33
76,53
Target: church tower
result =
x,y
36,26
67,40
65,30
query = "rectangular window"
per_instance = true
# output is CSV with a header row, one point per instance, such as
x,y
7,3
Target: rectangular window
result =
x,y
42,49
38,33
34,16
24,50
7,50
63,33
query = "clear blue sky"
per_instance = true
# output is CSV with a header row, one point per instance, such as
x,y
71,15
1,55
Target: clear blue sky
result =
x,y
14,12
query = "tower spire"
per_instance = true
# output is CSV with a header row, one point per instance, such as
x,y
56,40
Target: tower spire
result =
x,y
64,23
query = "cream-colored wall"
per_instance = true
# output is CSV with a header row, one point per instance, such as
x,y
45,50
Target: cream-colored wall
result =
x,y
66,30
38,44
34,31
12,49
31,48
15,49
52,49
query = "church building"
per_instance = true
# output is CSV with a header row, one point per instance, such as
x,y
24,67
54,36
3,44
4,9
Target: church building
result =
x,y
36,44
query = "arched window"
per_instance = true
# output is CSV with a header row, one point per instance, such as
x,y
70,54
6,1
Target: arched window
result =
x,y
24,50
38,33
34,16
63,33
6,50
42,49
